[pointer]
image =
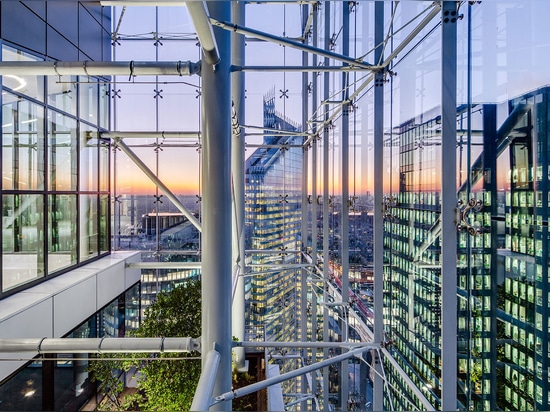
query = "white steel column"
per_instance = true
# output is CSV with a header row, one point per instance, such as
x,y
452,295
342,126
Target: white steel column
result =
x,y
378,241
449,15
326,209
237,168
305,212
314,204
344,374
216,203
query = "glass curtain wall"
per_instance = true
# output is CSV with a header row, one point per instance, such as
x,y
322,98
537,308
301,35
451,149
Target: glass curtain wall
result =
x,y
501,211
501,175
61,381
143,217
50,217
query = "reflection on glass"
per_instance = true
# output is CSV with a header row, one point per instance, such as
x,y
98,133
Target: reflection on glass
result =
x,y
104,105
62,93
88,158
22,144
32,86
104,163
62,155
88,227
22,239
88,99
62,214
104,221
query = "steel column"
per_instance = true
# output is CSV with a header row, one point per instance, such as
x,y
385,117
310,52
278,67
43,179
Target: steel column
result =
x,y
237,169
378,232
326,209
344,374
216,203
314,205
449,16
305,211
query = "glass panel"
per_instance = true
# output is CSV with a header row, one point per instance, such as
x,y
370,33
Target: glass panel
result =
x,y
412,189
22,239
133,306
62,152
89,96
104,164
23,392
104,222
104,105
88,227
88,158
22,144
62,93
71,389
62,245
31,86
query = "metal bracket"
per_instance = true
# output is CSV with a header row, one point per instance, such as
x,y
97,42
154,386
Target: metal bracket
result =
x,y
115,93
462,210
388,203
158,93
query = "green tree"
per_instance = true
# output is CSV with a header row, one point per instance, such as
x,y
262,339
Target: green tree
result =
x,y
166,381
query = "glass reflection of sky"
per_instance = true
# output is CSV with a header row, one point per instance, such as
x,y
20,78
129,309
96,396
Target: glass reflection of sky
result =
x,y
509,56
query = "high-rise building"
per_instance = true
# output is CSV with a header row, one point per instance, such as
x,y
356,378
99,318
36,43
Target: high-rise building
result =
x,y
502,269
273,228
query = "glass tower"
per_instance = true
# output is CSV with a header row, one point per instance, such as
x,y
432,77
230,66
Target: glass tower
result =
x,y
502,267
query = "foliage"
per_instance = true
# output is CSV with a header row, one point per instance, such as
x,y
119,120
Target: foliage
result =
x,y
107,371
162,384
247,402
475,375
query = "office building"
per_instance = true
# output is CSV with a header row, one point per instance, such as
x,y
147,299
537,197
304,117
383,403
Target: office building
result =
x,y
273,174
501,266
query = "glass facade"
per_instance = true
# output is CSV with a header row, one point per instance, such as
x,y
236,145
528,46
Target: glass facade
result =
x,y
61,382
273,223
55,186
501,215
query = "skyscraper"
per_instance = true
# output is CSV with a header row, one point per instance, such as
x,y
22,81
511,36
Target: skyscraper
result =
x,y
273,227
501,269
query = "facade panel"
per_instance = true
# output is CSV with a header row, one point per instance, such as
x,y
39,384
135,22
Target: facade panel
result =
x,y
21,26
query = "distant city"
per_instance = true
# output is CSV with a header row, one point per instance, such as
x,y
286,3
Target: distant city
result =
x,y
139,219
